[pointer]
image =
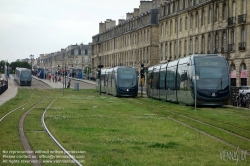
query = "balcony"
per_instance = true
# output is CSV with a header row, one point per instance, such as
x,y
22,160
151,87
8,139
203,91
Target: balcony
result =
x,y
242,46
242,18
231,47
231,21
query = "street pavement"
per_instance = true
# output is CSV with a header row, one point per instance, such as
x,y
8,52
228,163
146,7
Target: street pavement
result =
x,y
10,92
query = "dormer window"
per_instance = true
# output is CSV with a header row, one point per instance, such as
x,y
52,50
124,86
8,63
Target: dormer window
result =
x,y
82,52
76,52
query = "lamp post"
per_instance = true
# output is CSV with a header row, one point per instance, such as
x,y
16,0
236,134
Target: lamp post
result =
x,y
31,58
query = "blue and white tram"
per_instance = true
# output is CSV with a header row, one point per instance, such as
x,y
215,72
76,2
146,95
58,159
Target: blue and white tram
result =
x,y
23,76
176,81
118,81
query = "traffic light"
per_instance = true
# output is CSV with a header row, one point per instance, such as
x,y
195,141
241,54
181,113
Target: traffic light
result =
x,y
99,74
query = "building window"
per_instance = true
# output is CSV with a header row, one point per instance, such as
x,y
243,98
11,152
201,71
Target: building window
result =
x,y
162,29
244,4
196,45
170,51
178,5
202,18
233,9
175,49
224,12
82,52
210,16
191,22
191,47
216,42
217,13
162,49
209,44
76,52
224,41
232,37
197,20
171,26
166,28
171,8
176,26
202,45
186,20
180,25
191,3
180,48
185,47
243,35
166,51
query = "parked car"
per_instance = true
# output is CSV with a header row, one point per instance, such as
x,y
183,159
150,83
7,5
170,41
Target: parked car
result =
x,y
245,90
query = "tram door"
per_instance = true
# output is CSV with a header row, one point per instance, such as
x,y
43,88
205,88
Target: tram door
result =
x,y
182,84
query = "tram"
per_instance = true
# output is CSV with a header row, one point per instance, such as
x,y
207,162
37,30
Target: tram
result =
x,y
204,76
118,81
23,76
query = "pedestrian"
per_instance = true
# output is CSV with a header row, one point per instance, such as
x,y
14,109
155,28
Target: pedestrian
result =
x,y
68,86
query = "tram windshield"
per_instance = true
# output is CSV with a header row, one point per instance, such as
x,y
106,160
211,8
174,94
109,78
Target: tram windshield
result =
x,y
126,77
212,72
25,74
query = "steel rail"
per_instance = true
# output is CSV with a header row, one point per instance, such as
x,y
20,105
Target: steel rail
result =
x,y
53,138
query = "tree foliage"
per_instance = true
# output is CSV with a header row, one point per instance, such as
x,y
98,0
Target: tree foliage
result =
x,y
87,70
16,64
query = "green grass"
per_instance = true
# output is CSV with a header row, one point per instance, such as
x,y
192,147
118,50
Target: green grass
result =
x,y
128,131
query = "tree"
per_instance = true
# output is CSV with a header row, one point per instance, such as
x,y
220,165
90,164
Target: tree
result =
x,y
87,70
16,64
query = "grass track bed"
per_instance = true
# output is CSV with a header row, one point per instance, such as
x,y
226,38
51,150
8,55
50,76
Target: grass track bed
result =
x,y
129,131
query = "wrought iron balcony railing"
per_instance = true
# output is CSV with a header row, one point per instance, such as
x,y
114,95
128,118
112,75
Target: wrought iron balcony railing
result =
x,y
231,21
242,18
242,46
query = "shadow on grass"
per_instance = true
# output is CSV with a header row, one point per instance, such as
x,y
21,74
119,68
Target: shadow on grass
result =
x,y
166,146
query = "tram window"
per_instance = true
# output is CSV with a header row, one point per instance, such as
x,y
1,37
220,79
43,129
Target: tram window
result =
x,y
170,81
162,80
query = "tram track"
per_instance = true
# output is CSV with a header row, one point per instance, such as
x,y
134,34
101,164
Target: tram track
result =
x,y
30,153
175,119
13,111
54,139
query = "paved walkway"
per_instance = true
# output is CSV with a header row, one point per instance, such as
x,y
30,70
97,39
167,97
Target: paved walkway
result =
x,y
50,83
10,92
60,84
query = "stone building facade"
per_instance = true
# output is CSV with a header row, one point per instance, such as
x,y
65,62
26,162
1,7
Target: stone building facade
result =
x,y
75,57
207,26
163,30
131,42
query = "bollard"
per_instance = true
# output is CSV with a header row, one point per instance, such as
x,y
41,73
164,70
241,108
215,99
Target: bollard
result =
x,y
76,86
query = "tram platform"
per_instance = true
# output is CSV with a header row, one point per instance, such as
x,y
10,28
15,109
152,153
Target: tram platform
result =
x,y
54,85
60,83
10,92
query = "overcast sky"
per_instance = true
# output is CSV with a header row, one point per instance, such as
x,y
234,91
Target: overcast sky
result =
x,y
45,26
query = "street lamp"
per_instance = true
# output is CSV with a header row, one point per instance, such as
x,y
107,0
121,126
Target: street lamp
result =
x,y
31,57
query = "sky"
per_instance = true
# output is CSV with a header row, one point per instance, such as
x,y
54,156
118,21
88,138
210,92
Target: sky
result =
x,y
34,27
